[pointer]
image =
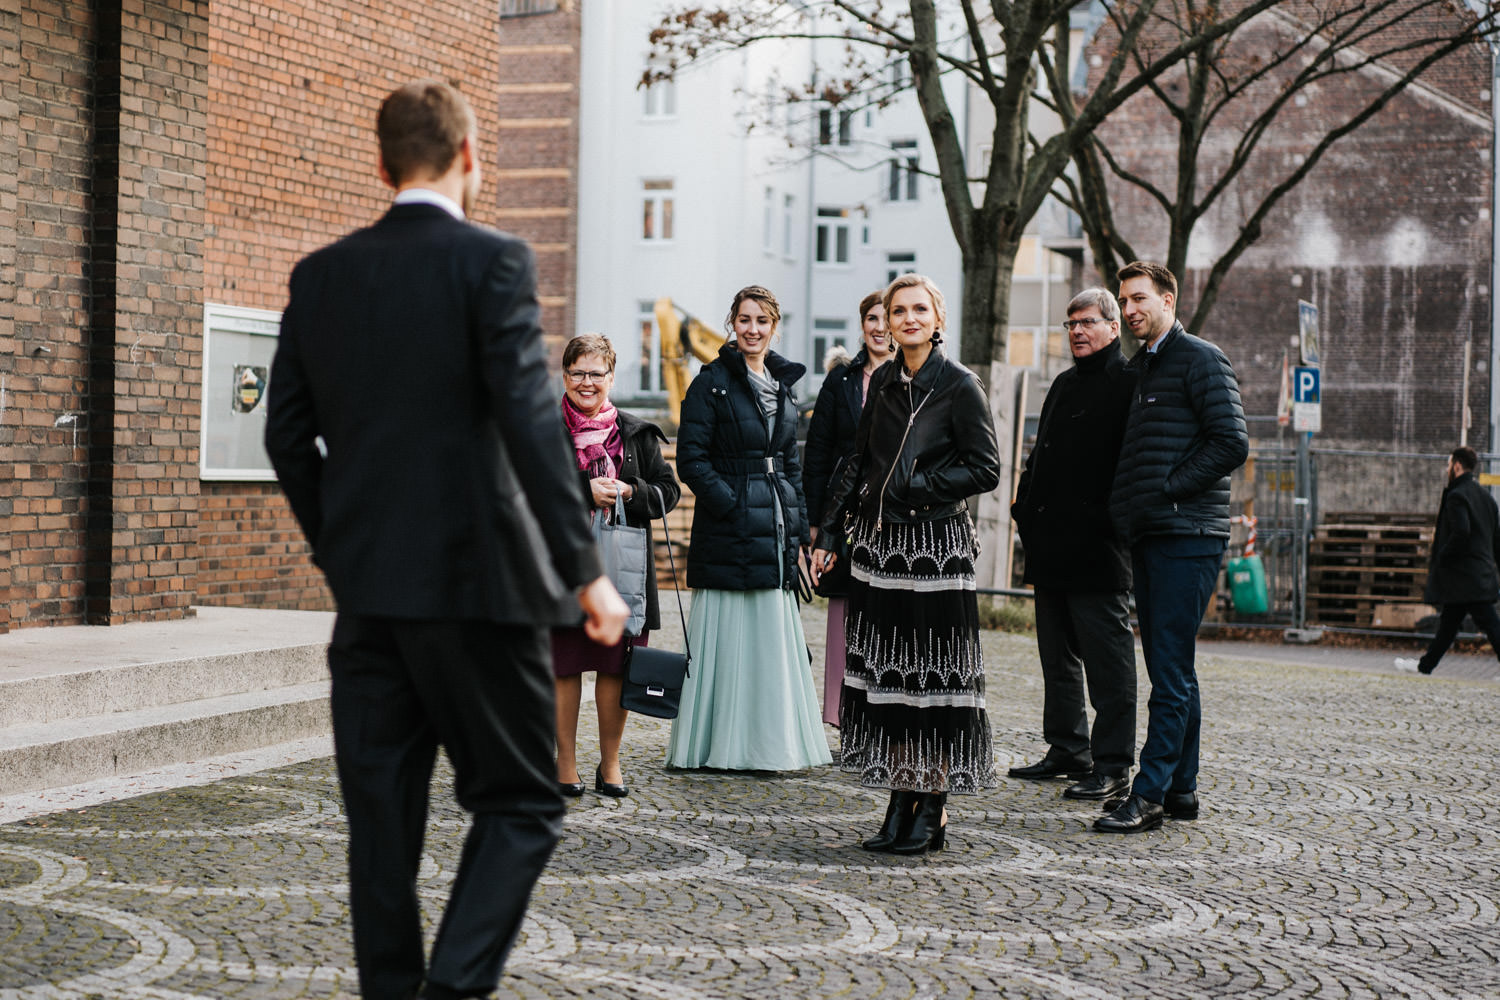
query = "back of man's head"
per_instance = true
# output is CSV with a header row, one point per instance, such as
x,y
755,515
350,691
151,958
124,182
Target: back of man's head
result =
x,y
1466,457
421,127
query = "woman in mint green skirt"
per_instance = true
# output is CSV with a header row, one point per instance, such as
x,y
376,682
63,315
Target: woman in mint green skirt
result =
x,y
749,703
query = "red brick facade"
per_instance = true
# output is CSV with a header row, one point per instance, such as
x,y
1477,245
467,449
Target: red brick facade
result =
x,y
156,157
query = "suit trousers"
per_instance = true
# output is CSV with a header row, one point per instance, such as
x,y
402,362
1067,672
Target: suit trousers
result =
x,y
484,692
1174,581
1449,621
1086,637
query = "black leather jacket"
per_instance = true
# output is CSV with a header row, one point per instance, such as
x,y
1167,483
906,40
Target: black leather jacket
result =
x,y
922,447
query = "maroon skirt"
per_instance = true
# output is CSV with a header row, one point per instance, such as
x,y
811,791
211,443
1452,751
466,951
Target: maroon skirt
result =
x,y
574,653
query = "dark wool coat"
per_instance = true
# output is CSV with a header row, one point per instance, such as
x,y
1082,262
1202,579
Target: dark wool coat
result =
x,y
1464,554
739,475
643,467
830,436
1062,501
1184,436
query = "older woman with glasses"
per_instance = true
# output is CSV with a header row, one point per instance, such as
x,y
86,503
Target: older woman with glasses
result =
x,y
619,455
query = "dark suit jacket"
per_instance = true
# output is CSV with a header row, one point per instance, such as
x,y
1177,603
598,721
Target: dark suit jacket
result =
x,y
447,487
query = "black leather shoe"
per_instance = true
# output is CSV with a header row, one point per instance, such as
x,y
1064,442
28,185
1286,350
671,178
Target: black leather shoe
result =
x,y
607,787
924,830
1097,786
1137,815
1176,805
1050,767
896,812
572,789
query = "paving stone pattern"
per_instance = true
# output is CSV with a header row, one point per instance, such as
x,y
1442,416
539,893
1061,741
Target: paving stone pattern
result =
x,y
1348,849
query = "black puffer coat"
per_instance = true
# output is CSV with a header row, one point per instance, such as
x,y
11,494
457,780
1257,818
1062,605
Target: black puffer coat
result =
x,y
1062,501
830,436
739,475
1464,553
1184,436
923,447
643,467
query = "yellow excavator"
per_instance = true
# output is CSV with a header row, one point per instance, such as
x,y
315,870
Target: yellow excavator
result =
x,y
682,335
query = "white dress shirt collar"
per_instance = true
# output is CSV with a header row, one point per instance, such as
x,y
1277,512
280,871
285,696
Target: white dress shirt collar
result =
x,y
427,196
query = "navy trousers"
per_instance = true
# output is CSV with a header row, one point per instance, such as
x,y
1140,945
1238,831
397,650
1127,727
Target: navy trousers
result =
x,y
1174,581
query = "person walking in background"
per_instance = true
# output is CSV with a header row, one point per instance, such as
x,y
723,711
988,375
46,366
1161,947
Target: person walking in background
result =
x,y
914,718
1462,575
444,511
1078,567
1170,501
830,444
749,703
618,455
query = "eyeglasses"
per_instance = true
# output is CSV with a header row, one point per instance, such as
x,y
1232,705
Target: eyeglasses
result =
x,y
1073,324
580,376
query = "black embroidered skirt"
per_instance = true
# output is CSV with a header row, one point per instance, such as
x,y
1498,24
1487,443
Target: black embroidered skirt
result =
x,y
913,714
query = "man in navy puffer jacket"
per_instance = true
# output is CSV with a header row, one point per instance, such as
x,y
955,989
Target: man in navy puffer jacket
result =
x,y
1185,434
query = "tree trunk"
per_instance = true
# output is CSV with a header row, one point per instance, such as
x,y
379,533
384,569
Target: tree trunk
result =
x,y
984,350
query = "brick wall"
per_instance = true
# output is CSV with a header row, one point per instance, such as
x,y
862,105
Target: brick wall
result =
x,y
292,167
46,61
1389,236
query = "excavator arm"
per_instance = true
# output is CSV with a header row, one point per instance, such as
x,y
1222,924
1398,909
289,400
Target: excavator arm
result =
x,y
682,336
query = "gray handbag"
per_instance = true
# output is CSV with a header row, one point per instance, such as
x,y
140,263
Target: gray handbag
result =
x,y
624,551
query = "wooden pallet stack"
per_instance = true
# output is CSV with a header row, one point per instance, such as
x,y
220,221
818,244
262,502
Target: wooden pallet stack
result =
x,y
1367,570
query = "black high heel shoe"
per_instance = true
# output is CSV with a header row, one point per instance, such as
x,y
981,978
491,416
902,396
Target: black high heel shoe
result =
x,y
896,812
572,789
608,788
926,831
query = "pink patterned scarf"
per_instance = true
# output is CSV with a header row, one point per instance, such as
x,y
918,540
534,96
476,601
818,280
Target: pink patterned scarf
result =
x,y
595,438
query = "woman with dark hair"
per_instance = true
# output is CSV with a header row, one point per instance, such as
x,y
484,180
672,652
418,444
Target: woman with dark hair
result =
x,y
619,455
914,718
749,703
830,444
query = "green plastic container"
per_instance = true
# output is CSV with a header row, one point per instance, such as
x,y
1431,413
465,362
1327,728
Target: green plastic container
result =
x,y
1247,585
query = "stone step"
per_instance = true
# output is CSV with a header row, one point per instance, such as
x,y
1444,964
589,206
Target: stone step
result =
x,y
80,703
83,748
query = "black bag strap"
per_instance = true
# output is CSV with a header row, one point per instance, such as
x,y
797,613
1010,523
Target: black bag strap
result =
x,y
661,503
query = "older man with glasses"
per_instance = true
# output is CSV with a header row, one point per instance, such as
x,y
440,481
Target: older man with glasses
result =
x,y
1079,568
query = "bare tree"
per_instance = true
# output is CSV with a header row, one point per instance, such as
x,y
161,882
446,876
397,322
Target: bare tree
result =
x,y
999,51
1241,104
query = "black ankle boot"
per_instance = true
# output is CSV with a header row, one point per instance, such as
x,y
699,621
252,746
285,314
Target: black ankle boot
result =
x,y
898,811
927,830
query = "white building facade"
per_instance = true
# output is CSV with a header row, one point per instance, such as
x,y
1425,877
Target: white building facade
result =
x,y
695,189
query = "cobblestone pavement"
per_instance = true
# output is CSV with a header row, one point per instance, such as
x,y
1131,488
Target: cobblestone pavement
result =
x,y
1348,849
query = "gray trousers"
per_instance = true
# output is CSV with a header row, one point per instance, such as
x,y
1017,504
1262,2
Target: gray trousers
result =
x,y
1086,638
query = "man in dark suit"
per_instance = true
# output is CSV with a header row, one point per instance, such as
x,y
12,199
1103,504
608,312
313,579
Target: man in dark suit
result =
x,y
412,427
1078,567
1462,576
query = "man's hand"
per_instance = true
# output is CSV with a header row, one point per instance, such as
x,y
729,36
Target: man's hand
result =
x,y
606,611
822,562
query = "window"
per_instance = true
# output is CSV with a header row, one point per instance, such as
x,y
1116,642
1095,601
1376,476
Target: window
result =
x,y
899,262
833,236
900,73
788,203
903,180
828,334
656,210
650,374
660,99
523,8
833,122
768,210
238,344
